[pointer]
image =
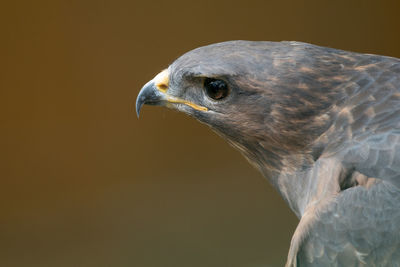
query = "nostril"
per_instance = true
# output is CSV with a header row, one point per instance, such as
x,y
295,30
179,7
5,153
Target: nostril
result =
x,y
162,87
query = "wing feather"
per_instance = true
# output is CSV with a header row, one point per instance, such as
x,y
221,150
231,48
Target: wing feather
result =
x,y
361,227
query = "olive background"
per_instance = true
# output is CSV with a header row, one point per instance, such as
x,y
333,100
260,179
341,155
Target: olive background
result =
x,y
85,183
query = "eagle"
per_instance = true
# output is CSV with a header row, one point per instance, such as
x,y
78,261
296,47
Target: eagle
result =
x,y
321,124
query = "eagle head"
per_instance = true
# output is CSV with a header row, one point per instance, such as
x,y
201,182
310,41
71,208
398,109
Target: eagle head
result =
x,y
265,98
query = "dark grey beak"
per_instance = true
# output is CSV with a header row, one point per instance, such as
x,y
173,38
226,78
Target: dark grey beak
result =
x,y
149,95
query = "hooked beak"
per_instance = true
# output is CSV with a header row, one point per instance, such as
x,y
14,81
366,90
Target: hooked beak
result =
x,y
155,93
149,95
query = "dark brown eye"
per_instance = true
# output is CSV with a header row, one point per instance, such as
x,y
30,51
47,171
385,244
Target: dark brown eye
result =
x,y
216,89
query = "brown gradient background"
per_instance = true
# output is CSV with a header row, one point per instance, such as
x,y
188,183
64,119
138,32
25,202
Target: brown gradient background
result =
x,y
85,183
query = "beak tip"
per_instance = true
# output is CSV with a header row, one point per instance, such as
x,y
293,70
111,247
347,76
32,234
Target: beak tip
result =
x,y
139,104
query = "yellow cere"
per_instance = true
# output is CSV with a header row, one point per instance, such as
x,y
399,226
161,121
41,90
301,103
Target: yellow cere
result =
x,y
162,81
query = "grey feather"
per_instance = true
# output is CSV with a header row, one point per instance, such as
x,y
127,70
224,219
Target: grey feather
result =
x,y
323,126
360,227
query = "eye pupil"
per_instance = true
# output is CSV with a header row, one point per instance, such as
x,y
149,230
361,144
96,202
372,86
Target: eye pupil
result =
x,y
215,88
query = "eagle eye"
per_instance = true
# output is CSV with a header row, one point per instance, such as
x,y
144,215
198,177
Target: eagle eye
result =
x,y
215,88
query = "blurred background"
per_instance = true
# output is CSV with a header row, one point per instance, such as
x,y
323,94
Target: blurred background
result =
x,y
85,183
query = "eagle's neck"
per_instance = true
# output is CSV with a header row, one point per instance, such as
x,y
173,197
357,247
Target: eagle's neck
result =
x,y
290,173
272,163
291,178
